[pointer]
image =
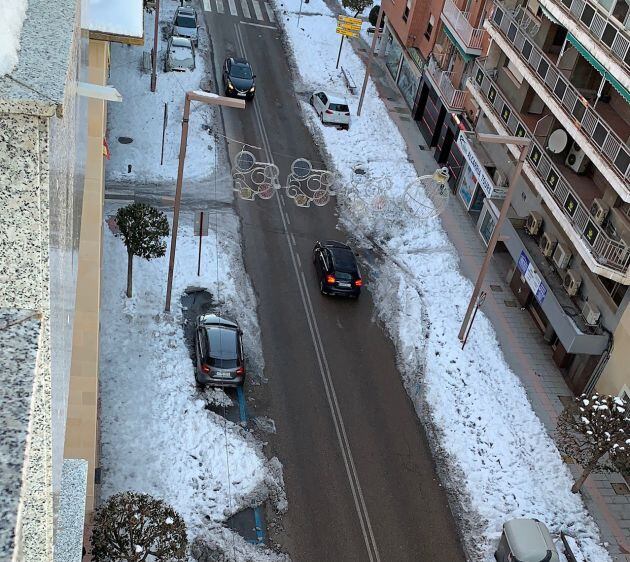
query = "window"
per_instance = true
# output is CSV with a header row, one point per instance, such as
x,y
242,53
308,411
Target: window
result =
x,y
407,10
616,290
429,30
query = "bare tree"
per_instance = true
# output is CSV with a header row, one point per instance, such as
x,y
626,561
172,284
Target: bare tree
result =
x,y
595,431
131,527
357,5
142,228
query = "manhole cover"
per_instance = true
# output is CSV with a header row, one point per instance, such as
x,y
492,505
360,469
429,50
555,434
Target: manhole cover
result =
x,y
125,140
511,304
621,488
496,288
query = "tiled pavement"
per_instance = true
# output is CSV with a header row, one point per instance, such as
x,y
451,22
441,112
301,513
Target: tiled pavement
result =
x,y
522,343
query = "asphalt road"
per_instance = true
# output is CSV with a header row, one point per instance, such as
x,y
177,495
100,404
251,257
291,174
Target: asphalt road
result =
x,y
360,480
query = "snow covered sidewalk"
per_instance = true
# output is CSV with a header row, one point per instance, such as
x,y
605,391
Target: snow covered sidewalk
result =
x,y
500,461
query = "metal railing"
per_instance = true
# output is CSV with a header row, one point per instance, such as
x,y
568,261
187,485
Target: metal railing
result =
x,y
588,14
458,21
597,132
608,252
452,97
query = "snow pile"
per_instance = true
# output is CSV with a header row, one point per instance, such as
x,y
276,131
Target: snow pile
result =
x,y
12,14
157,435
497,450
140,116
119,17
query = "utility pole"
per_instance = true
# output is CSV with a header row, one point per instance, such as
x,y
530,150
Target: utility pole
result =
x,y
377,32
495,139
209,99
154,58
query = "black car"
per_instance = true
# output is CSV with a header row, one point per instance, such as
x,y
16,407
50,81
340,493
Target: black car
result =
x,y
218,352
337,269
238,78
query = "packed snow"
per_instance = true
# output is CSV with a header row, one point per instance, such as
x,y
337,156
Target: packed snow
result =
x,y
12,14
501,463
140,116
119,17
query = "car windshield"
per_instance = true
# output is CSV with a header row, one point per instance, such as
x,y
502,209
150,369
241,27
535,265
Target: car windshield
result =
x,y
241,71
223,348
339,107
185,21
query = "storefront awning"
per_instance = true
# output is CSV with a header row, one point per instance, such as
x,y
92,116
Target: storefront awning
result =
x,y
461,51
598,66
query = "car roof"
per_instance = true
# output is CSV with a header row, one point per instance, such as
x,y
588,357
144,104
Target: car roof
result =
x,y
181,41
214,320
529,540
334,98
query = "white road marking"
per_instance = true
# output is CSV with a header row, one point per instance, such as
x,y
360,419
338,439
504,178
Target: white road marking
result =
x,y
206,6
232,4
245,7
270,14
320,352
258,24
257,10
220,6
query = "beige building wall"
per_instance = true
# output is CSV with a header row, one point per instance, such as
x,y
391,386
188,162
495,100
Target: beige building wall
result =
x,y
81,440
616,374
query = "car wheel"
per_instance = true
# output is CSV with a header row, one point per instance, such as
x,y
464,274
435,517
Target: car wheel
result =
x,y
311,101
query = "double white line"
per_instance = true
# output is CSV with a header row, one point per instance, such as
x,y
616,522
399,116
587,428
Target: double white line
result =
x,y
324,369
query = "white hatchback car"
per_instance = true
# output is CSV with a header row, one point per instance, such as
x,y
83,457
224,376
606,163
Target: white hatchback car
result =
x,y
331,109
180,54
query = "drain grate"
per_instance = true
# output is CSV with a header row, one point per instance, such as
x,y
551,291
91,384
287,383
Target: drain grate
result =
x,y
496,288
621,488
510,303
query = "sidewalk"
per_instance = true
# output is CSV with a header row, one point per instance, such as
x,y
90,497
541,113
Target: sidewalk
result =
x,y
522,343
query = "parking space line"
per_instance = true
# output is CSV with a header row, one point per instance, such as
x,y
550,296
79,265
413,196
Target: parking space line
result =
x,y
257,10
220,6
270,14
245,7
232,4
206,6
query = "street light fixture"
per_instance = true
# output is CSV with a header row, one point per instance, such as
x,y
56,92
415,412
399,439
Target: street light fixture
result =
x,y
474,299
209,99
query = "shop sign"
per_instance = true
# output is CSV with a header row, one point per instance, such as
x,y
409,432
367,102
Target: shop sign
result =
x,y
532,278
480,172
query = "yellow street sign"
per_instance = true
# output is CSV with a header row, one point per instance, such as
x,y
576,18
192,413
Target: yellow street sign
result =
x,y
352,26
346,28
346,32
348,19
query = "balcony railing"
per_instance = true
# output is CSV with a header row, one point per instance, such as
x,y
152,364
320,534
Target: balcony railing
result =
x,y
457,21
607,252
587,121
589,16
452,97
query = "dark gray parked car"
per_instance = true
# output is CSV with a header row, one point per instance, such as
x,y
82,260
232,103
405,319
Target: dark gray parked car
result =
x,y
218,352
185,24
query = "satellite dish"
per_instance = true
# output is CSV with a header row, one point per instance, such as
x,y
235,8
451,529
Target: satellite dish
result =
x,y
558,141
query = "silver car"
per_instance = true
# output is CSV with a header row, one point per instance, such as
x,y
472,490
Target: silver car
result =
x,y
185,24
180,54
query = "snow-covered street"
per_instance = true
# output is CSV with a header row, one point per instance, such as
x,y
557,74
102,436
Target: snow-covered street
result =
x,y
501,463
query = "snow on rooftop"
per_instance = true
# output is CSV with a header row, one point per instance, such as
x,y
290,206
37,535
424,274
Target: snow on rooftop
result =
x,y
12,16
117,17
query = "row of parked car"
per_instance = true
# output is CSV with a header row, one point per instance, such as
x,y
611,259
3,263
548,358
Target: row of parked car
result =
x,y
183,40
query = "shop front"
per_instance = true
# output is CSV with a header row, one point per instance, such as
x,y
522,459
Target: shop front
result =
x,y
404,65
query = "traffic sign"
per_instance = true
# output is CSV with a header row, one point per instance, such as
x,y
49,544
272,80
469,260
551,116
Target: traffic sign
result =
x,y
348,19
348,27
346,33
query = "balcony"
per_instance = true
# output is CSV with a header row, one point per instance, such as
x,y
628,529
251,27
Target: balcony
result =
x,y
604,255
469,38
452,98
598,140
588,17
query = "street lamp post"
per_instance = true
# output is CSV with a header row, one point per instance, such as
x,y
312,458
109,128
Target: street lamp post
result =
x,y
472,305
209,99
156,30
377,32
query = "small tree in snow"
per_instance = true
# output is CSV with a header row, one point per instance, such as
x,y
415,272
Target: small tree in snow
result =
x,y
356,5
595,431
142,228
133,527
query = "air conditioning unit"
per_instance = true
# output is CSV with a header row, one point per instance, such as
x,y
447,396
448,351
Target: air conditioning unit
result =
x,y
577,160
599,210
591,314
561,256
533,223
572,282
547,244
